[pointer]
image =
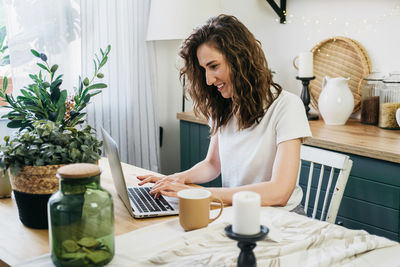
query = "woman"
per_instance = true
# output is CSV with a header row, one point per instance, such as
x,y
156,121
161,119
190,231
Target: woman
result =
x,y
256,127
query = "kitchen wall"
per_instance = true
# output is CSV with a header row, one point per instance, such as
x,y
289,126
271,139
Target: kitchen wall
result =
x,y
375,24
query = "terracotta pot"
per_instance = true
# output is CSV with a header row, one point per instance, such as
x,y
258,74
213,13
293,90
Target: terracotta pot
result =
x,y
32,187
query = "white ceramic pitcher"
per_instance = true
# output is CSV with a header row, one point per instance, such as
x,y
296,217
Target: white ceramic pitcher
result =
x,y
336,102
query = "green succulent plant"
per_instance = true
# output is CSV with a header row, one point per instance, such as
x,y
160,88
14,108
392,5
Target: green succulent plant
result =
x,y
45,100
47,143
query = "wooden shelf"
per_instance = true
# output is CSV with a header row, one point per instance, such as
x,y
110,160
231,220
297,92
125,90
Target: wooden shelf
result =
x,y
353,137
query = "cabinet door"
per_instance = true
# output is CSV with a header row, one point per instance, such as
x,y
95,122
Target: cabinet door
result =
x,y
195,139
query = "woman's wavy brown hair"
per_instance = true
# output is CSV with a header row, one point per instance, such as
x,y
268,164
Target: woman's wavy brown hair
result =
x,y
249,73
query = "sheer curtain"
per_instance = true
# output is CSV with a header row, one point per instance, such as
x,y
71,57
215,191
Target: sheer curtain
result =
x,y
125,109
70,32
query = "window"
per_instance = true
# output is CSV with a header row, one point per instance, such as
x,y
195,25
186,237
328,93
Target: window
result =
x,y
4,55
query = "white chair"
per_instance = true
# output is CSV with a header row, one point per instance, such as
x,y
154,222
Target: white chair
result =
x,y
321,161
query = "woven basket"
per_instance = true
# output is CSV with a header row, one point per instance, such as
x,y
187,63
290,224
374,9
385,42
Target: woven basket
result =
x,y
36,179
339,57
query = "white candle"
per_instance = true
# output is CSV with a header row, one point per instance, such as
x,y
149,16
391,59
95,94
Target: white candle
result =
x,y
246,213
306,66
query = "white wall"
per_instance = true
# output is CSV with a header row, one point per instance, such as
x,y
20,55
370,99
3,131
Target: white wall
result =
x,y
375,24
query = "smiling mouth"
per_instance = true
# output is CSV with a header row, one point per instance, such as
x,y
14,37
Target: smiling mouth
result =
x,y
220,87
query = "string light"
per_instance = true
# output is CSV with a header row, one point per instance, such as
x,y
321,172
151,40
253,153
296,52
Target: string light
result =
x,y
311,24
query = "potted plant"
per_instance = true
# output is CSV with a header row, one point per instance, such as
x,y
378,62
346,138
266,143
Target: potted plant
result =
x,y
51,133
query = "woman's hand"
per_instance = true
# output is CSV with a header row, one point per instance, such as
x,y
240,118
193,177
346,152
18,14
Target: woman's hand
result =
x,y
168,188
164,185
150,178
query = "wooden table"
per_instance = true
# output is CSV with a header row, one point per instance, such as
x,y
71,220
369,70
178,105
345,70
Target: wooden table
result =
x,y
19,243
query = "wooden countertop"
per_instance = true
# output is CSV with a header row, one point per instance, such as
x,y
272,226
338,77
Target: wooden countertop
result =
x,y
353,137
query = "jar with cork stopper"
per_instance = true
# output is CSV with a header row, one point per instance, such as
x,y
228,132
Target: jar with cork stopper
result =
x,y
81,218
389,99
370,98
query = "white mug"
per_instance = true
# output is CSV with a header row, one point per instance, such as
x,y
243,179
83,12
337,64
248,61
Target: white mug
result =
x,y
305,65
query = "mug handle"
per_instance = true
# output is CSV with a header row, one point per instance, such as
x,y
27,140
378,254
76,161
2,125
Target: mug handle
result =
x,y
294,62
220,211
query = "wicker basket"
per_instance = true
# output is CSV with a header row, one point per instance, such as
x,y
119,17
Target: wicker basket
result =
x,y
36,179
339,57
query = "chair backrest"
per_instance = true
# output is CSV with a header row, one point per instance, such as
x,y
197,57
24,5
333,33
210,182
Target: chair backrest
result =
x,y
326,198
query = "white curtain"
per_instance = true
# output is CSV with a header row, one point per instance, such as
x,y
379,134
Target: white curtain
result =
x,y
53,29
50,28
125,109
70,32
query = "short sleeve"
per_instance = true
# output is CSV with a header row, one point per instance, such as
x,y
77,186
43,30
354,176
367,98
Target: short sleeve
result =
x,y
291,119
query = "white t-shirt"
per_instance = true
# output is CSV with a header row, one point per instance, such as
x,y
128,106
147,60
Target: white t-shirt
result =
x,y
247,156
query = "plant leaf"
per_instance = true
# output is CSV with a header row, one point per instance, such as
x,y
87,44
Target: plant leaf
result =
x,y
5,84
14,124
54,68
97,86
35,53
43,67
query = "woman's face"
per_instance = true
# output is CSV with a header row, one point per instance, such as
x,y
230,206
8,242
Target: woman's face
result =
x,y
216,69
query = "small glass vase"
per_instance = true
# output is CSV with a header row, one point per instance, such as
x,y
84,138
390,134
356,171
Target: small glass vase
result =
x,y
81,218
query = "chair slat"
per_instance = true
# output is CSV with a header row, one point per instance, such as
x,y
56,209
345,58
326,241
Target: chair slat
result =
x,y
328,188
321,177
323,157
298,174
310,174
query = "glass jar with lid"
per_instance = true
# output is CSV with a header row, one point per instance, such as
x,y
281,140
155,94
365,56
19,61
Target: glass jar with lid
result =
x,y
389,99
370,98
81,218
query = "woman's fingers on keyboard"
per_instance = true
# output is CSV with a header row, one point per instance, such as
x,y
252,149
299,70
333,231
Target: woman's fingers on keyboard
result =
x,y
148,179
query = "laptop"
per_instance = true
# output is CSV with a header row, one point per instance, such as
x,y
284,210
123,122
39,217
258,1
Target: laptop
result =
x,y
139,202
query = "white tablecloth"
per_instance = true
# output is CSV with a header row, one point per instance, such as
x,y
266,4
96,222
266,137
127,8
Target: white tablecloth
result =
x,y
293,240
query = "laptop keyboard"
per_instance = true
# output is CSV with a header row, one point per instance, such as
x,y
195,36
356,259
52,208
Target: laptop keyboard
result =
x,y
146,202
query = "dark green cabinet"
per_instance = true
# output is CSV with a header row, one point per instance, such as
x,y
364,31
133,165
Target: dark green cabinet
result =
x,y
371,200
195,139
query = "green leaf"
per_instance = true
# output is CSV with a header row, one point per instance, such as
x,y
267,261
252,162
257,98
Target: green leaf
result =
x,y
55,95
35,53
61,106
43,67
14,124
54,68
61,114
5,60
75,120
86,99
55,84
103,61
97,86
5,84
95,93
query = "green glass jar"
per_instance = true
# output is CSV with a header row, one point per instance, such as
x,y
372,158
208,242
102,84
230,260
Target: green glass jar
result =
x,y
81,218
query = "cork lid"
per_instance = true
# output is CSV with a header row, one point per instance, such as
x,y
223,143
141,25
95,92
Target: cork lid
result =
x,y
78,170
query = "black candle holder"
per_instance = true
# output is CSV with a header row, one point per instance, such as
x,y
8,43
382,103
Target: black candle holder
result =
x,y
246,244
305,96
